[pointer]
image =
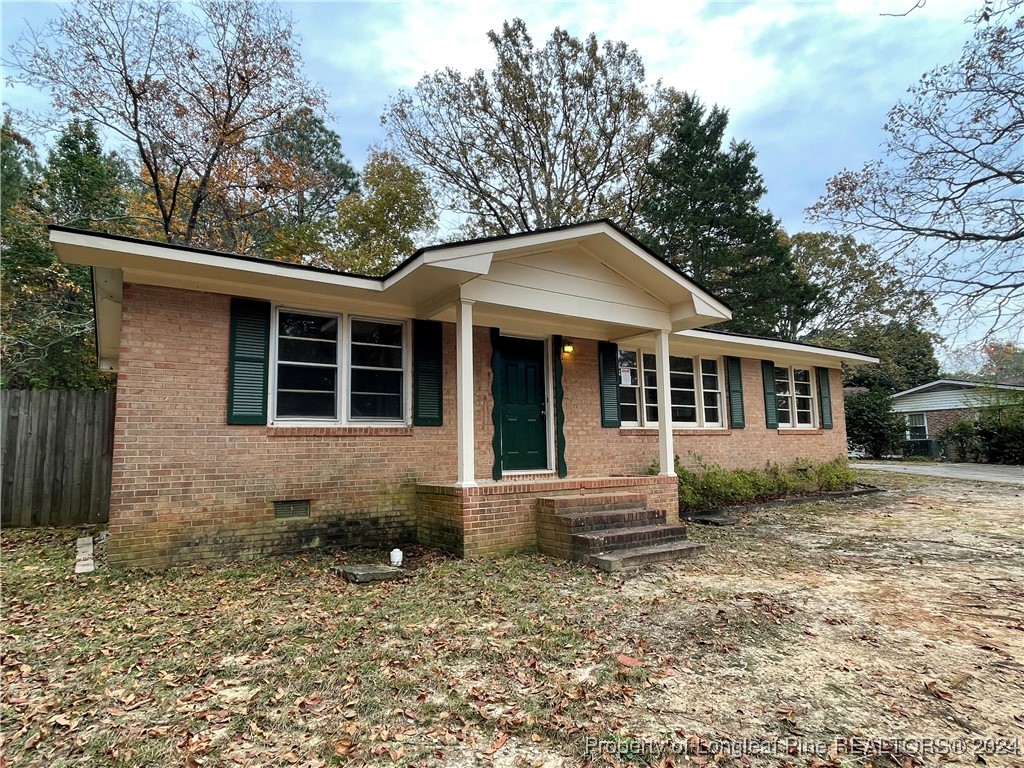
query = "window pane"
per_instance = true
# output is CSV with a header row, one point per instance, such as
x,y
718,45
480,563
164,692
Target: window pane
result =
x,y
629,392
307,326
711,416
305,378
684,414
803,417
372,382
681,381
301,351
803,389
366,406
680,365
801,374
307,373
652,414
376,357
306,405
709,382
372,332
684,397
650,363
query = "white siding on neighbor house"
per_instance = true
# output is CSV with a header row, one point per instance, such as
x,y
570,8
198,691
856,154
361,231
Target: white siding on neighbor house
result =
x,y
941,400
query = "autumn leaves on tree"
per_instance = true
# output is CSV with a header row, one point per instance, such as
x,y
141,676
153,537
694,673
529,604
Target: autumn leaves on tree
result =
x,y
222,142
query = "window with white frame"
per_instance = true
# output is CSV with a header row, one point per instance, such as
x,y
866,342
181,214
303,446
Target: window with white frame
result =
x,y
794,397
696,399
309,352
917,427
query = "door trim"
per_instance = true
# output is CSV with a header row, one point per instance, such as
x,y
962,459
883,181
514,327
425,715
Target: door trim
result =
x,y
550,445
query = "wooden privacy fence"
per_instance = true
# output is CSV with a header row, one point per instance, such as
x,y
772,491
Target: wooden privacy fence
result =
x,y
56,456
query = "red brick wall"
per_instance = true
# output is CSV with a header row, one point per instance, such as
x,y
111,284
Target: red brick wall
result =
x,y
187,486
629,450
937,420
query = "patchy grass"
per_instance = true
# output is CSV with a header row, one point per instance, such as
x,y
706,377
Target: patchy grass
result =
x,y
879,616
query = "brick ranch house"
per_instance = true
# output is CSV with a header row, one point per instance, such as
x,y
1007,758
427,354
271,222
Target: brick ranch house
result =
x,y
928,408
457,402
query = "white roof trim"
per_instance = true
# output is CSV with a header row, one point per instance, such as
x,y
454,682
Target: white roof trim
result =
x,y
956,382
851,358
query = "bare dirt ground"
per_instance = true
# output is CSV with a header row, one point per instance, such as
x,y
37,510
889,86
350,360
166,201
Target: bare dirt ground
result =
x,y
890,616
892,624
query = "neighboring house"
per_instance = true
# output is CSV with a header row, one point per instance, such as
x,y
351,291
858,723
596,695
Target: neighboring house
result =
x,y
930,407
265,406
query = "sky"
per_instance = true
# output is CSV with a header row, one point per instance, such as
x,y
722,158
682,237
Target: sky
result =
x,y
807,83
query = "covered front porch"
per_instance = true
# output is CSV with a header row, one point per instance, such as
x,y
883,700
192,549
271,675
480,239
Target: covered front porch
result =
x,y
528,309
535,320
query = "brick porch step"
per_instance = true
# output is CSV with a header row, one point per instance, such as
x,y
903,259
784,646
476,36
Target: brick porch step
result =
x,y
622,559
610,519
610,539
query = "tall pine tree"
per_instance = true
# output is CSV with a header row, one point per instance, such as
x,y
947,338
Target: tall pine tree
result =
x,y
703,214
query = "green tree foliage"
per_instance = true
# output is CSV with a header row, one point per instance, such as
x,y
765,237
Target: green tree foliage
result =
x,y
378,227
906,355
995,436
702,212
856,287
84,187
192,91
552,135
945,201
872,425
46,332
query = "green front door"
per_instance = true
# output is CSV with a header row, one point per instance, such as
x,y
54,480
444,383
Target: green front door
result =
x,y
524,443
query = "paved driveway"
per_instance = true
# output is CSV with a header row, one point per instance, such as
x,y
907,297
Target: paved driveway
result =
x,y
985,472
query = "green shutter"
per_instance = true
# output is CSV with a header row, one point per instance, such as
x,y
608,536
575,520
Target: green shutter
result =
x,y
427,379
734,369
249,362
496,374
824,397
556,352
771,412
608,369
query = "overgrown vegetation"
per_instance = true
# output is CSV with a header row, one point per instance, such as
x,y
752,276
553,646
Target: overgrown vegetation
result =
x,y
872,425
709,485
996,436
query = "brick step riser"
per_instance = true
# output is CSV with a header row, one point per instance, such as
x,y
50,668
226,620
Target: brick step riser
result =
x,y
613,520
627,539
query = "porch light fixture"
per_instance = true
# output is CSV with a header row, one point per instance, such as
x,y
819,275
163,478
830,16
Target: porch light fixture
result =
x,y
567,346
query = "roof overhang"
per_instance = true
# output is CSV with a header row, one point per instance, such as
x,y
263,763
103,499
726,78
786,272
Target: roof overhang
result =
x,y
696,342
590,279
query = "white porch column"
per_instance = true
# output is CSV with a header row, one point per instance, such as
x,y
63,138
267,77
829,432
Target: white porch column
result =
x,y
464,393
666,453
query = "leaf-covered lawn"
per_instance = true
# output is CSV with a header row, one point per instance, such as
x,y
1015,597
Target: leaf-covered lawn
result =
x,y
878,616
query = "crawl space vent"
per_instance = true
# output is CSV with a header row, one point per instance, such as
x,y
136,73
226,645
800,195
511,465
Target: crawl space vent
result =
x,y
294,508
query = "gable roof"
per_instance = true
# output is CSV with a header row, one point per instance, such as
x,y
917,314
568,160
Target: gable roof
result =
x,y
940,384
592,280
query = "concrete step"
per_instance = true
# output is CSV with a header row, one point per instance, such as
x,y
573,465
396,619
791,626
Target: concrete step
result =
x,y
624,559
600,520
626,538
